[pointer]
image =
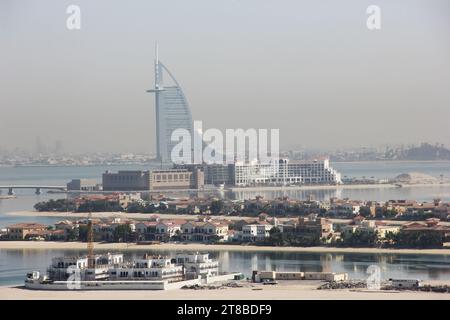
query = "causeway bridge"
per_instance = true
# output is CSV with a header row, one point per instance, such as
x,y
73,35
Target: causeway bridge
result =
x,y
38,188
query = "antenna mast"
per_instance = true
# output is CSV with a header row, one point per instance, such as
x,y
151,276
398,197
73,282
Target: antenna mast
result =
x,y
157,75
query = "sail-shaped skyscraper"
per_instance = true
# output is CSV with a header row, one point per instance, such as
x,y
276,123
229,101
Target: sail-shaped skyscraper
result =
x,y
172,110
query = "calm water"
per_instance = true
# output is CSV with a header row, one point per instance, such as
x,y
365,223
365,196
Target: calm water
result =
x,y
61,175
14,264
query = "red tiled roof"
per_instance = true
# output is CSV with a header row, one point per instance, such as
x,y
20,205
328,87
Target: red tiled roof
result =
x,y
27,226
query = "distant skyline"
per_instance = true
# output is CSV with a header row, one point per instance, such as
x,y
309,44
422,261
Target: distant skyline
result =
x,y
55,148
310,68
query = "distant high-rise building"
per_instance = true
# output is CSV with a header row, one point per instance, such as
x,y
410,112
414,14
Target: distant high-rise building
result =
x,y
58,147
40,147
172,111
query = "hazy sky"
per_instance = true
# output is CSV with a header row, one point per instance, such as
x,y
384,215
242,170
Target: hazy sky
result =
x,y
310,68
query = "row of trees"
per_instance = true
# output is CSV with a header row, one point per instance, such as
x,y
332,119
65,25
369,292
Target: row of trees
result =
x,y
401,239
122,233
216,207
62,205
144,207
359,238
381,213
278,238
55,205
416,239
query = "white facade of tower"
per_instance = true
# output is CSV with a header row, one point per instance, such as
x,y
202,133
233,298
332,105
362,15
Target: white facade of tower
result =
x,y
172,111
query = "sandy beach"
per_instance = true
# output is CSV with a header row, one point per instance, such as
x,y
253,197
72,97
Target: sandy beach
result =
x,y
257,292
108,215
50,245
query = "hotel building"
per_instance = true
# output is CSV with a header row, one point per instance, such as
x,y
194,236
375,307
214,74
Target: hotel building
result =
x,y
285,172
172,111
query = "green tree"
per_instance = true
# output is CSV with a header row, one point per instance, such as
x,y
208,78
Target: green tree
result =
x,y
59,205
216,206
365,212
122,233
72,235
419,239
82,233
135,207
360,238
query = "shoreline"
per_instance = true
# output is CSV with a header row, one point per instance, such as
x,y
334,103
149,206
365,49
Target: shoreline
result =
x,y
253,292
54,245
158,163
337,187
111,215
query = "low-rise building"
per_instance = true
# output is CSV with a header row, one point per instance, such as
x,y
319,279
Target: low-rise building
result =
x,y
381,228
262,276
176,179
126,180
146,230
314,227
431,226
3,234
70,229
344,208
255,232
155,268
83,185
198,264
153,180
204,231
165,230
126,198
21,231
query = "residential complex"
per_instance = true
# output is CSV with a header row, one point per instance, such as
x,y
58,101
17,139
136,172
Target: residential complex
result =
x,y
309,231
285,172
21,231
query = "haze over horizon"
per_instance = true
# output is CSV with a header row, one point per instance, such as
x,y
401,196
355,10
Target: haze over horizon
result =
x,y
310,68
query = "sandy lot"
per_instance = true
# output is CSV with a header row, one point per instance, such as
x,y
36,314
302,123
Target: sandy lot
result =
x,y
48,245
291,292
